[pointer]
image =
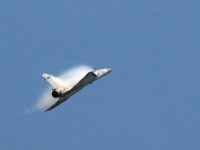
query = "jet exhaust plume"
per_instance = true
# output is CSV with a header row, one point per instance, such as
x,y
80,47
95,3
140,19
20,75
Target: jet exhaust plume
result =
x,y
70,77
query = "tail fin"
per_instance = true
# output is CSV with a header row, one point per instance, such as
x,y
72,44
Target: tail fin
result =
x,y
55,82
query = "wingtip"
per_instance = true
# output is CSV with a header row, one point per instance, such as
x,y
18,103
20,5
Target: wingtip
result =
x,y
48,109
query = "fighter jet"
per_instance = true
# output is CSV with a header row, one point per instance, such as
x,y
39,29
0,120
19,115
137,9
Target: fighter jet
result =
x,y
61,91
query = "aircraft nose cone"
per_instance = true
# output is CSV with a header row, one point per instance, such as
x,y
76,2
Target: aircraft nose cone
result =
x,y
109,69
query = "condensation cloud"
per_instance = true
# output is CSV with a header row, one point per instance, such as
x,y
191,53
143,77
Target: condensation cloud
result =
x,y
70,78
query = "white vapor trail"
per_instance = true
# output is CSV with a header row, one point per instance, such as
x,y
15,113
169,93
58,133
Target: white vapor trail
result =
x,y
70,77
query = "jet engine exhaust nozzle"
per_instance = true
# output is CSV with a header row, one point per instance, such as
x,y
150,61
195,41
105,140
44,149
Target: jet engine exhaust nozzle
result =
x,y
56,94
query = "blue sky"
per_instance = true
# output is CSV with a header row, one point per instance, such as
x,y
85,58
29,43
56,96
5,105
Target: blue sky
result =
x,y
151,100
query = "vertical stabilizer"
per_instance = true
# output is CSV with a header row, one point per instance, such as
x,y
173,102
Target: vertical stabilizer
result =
x,y
55,82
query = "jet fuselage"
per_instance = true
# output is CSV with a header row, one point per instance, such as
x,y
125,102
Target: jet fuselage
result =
x,y
62,92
